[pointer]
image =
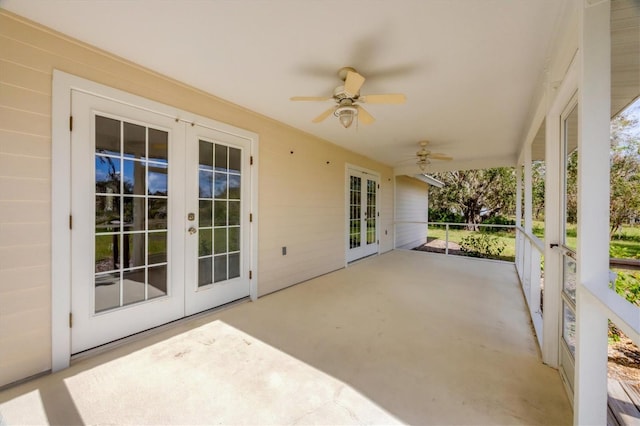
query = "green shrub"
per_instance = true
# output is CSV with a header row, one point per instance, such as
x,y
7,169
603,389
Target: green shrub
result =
x,y
628,286
444,215
619,252
482,245
498,220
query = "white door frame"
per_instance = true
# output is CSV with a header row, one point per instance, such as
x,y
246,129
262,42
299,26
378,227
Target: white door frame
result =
x,y
554,216
376,175
63,84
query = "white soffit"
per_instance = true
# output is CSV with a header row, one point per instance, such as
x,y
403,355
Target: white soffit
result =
x,y
429,179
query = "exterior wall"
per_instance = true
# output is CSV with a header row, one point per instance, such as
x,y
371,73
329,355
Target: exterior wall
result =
x,y
412,205
301,197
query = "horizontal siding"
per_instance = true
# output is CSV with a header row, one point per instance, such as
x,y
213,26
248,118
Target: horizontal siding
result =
x,y
387,217
411,206
24,189
22,166
23,99
25,77
18,278
25,256
25,144
21,121
301,195
27,348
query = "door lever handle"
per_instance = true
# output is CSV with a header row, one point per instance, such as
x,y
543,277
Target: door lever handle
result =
x,y
192,230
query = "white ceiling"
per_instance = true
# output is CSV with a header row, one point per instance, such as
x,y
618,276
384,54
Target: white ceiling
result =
x,y
469,68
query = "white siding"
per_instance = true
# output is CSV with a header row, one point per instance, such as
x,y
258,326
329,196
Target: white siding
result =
x,y
412,205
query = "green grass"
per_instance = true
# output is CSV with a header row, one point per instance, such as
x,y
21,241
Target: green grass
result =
x,y
625,244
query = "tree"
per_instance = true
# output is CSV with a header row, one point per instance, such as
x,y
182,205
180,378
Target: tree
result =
x,y
475,194
538,170
624,203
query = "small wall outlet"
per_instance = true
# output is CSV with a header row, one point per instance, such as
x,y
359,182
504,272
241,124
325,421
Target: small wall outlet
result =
x,y
284,251
385,232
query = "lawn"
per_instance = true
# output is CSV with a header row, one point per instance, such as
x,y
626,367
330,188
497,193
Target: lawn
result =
x,y
625,244
499,237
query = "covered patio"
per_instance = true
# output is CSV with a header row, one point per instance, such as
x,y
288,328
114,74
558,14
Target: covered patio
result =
x,y
405,337
232,191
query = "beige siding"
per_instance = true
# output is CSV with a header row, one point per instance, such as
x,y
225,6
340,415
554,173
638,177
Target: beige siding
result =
x,y
386,213
411,206
301,196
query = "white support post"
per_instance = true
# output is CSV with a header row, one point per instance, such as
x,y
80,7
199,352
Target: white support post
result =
x,y
528,197
590,393
518,195
519,237
446,239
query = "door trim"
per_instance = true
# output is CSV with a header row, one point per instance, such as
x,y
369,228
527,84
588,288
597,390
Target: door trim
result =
x,y
377,176
63,84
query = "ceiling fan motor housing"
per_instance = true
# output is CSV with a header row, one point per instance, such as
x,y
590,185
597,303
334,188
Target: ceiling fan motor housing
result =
x,y
339,94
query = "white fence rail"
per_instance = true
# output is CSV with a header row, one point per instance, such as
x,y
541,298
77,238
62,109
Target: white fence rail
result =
x,y
529,254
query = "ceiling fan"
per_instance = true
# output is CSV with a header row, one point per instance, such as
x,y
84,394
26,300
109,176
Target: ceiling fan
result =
x,y
424,156
347,97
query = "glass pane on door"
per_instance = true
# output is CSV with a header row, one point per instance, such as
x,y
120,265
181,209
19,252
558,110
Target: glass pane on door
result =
x,y
569,278
131,198
355,211
570,127
219,200
371,211
569,327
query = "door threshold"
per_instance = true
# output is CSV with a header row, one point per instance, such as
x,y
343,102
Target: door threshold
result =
x,y
362,258
98,350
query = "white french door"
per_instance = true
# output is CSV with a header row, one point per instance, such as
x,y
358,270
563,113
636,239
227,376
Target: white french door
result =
x,y
217,266
568,163
363,214
159,219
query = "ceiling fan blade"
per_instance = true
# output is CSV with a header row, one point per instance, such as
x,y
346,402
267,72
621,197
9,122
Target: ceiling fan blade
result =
x,y
310,98
353,83
436,156
391,98
324,115
364,116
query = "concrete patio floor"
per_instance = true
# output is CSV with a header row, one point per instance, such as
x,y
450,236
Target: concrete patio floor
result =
x,y
406,337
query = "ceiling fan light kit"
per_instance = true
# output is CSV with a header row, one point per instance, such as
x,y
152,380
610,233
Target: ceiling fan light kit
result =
x,y
346,114
423,163
424,156
346,97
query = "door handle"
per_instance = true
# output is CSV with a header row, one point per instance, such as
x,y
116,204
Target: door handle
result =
x,y
192,230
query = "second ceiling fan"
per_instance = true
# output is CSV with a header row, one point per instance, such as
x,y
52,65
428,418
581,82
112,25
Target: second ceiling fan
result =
x,y
347,98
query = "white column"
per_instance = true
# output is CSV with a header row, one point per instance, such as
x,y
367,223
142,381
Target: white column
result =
x,y
590,394
528,198
519,236
518,195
